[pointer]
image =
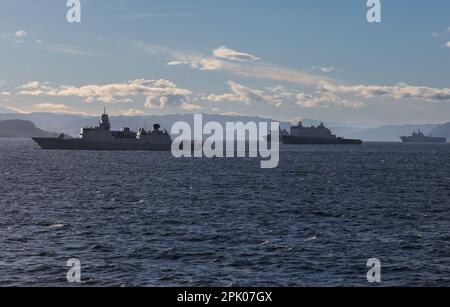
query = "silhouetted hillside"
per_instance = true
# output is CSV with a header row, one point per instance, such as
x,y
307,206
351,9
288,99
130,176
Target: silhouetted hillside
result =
x,y
20,129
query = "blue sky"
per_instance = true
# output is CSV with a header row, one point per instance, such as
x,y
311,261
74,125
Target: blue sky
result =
x,y
279,59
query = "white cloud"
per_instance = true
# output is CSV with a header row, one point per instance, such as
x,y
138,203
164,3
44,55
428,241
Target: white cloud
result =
x,y
35,88
53,108
215,62
266,71
233,55
207,64
13,109
232,113
325,69
30,85
5,93
252,69
190,107
246,95
447,45
279,91
399,91
131,112
197,62
21,33
325,100
39,44
158,93
175,63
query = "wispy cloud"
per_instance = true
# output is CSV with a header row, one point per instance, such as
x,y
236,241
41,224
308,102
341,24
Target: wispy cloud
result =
x,y
20,34
324,69
190,106
13,109
246,95
271,72
233,55
251,69
197,61
48,107
399,91
131,112
326,100
39,44
17,38
53,108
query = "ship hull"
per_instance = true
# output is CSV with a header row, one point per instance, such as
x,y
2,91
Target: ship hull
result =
x,y
434,140
292,140
78,144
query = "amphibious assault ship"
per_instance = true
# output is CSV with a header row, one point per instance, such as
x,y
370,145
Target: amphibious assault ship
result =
x,y
320,135
419,137
103,138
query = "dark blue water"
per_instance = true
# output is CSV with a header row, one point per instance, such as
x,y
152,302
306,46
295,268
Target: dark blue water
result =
x,y
146,219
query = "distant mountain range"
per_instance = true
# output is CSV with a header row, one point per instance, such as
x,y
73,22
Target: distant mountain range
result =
x,y
441,131
5,110
20,129
390,133
70,124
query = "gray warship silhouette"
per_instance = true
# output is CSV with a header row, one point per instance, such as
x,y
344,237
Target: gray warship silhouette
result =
x,y
319,135
102,138
419,137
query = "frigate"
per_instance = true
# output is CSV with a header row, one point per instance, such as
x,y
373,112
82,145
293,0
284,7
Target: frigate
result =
x,y
103,138
319,135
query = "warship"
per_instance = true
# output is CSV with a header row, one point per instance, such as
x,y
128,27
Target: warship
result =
x,y
320,135
103,138
419,137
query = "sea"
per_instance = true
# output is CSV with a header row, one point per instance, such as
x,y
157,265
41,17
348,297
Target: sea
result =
x,y
148,219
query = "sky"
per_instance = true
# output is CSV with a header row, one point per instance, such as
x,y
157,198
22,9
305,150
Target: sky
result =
x,y
285,60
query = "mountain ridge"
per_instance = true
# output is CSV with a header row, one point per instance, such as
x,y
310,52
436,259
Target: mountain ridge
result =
x,y
70,124
441,131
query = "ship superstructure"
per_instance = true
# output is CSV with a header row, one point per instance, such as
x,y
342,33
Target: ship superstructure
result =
x,y
315,135
419,137
103,138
